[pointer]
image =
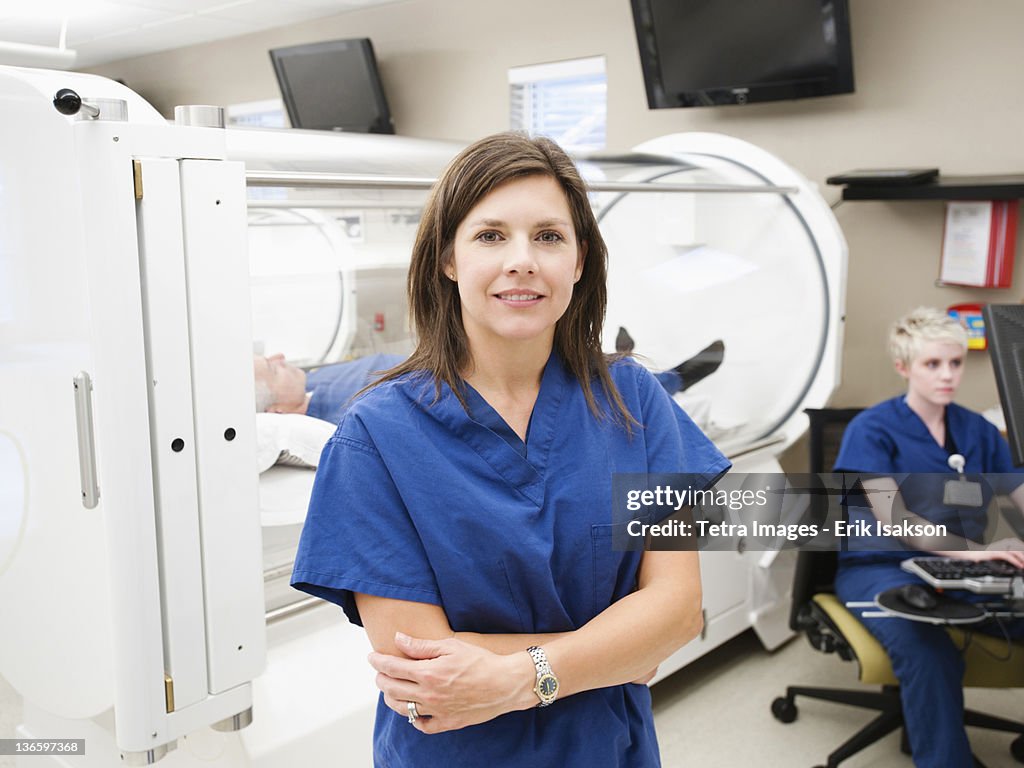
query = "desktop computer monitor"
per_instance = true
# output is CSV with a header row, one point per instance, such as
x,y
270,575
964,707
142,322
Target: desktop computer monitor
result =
x,y
1004,328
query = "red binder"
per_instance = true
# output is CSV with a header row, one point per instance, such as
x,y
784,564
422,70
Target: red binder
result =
x,y
979,243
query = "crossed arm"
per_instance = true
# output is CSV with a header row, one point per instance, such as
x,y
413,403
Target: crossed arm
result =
x,y
888,506
464,678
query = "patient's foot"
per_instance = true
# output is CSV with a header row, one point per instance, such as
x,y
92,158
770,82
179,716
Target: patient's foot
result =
x,y
701,365
624,342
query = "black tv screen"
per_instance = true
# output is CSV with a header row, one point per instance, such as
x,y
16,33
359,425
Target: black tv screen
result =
x,y
698,53
332,86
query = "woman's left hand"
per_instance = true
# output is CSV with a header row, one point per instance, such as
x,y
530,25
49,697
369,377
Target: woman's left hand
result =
x,y
453,683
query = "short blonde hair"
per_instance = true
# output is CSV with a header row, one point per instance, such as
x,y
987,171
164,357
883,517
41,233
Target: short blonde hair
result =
x,y
922,325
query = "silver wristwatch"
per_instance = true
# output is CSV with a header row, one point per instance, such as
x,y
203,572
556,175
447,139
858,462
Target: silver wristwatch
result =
x,y
546,686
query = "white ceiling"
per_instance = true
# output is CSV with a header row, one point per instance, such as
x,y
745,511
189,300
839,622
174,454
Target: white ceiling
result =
x,y
107,30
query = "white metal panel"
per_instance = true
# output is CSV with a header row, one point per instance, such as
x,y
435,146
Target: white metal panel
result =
x,y
122,431
55,647
721,587
161,254
214,214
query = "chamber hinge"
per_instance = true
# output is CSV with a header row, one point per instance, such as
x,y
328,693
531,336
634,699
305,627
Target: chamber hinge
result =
x,y
137,178
169,692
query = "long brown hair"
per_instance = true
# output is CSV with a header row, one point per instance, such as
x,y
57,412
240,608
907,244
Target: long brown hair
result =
x,y
434,304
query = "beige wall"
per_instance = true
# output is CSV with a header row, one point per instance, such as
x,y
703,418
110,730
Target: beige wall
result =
x,y
938,83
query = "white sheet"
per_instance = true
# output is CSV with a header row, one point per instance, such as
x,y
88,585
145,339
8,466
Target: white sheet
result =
x,y
284,495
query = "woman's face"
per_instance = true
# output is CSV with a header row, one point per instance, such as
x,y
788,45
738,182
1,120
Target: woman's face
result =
x,y
516,259
934,375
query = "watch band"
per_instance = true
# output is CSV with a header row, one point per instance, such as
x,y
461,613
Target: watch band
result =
x,y
546,686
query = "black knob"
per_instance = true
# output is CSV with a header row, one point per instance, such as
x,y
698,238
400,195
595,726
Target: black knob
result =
x,y
67,102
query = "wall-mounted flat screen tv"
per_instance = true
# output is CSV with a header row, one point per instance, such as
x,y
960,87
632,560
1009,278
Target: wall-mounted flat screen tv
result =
x,y
332,86
697,53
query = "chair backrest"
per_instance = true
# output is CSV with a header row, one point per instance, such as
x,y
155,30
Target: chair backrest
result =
x,y
815,571
825,435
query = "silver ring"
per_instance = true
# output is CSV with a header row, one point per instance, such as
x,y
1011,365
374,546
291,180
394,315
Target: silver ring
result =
x,y
413,714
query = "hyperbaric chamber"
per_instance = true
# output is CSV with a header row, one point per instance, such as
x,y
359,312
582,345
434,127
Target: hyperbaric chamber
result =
x,y
712,239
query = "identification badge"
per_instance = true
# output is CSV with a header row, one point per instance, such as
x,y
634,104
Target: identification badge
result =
x,y
962,493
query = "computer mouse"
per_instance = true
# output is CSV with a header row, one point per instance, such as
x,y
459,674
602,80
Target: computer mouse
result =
x,y
918,596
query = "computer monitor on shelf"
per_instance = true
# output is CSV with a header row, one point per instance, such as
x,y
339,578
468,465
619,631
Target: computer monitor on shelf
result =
x,y
1004,328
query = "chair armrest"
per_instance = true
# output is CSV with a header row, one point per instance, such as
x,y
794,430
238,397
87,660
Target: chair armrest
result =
x,y
871,657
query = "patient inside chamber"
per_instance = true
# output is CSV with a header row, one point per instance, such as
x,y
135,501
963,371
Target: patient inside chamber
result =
x,y
683,376
306,406
324,392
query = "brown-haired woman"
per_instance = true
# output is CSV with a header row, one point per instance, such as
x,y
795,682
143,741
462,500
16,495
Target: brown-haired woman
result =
x,y
462,511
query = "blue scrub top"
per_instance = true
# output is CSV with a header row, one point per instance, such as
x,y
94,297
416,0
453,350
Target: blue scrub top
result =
x,y
890,439
334,385
421,501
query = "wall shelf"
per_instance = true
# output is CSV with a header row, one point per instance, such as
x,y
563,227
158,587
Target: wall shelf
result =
x,y
1007,187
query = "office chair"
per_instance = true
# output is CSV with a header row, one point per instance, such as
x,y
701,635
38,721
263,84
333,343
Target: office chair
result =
x,y
831,628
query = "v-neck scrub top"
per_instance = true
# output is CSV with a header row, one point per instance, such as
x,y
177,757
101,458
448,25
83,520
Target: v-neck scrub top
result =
x,y
890,439
423,501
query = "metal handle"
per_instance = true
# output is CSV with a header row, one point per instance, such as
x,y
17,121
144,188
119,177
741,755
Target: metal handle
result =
x,y
287,611
86,441
67,102
350,181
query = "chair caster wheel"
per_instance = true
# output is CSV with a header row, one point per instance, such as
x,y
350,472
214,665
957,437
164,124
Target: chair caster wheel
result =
x,y
1017,748
784,710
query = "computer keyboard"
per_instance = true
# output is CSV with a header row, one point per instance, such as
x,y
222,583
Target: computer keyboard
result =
x,y
988,577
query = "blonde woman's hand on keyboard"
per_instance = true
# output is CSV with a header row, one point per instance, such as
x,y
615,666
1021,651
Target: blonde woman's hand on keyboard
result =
x,y
1011,550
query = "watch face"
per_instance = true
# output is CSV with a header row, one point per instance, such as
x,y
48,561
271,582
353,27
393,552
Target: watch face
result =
x,y
547,687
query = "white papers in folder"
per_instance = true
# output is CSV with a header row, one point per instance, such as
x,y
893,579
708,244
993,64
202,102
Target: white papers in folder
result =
x,y
965,244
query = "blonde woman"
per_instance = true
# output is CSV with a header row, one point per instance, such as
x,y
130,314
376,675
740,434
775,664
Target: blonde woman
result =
x,y
912,437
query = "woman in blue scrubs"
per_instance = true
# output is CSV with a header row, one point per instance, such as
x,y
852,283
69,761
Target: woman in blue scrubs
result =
x,y
462,511
912,437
